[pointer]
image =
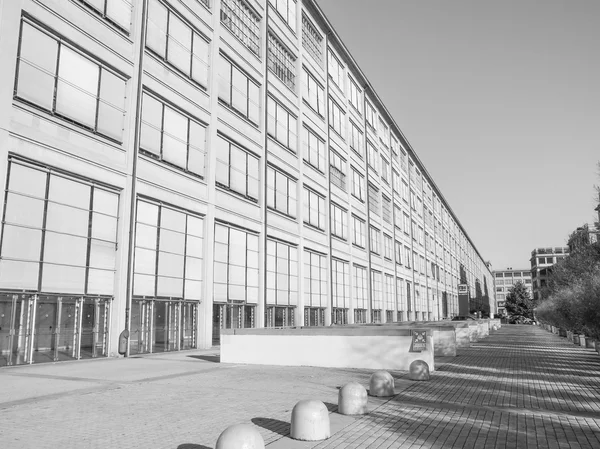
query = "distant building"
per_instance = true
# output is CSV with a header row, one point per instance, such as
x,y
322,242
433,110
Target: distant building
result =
x,y
542,260
583,236
504,280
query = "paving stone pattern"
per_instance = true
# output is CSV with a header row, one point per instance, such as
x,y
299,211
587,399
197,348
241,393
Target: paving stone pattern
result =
x,y
520,387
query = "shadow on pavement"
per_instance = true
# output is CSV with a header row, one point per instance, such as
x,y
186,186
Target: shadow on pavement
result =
x,y
192,446
273,425
207,358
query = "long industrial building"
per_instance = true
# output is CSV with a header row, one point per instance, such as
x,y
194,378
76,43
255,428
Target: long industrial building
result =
x,y
175,167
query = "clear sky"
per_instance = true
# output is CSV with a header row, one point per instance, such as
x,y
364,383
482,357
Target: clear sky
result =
x,y
500,100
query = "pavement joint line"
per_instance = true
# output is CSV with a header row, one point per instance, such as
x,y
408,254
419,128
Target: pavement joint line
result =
x,y
59,395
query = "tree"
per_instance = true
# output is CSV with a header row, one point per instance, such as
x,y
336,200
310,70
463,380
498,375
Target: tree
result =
x,y
518,301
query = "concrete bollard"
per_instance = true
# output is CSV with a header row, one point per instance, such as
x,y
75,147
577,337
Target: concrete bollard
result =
x,y
310,421
352,399
240,436
418,370
381,384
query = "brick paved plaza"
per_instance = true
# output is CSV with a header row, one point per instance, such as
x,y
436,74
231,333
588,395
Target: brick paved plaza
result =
x,y
520,387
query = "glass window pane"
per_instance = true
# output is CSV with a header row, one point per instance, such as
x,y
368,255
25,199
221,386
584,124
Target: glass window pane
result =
x,y
172,242
77,87
63,279
238,170
193,289
224,80
144,261
143,284
169,287
194,246
111,106
67,219
65,249
120,12
193,268
156,34
195,226
104,227
253,177
172,219
37,67
145,236
24,210
151,127
197,148
253,102
21,243
19,275
180,44
66,191
27,180
175,138
106,202
100,282
239,92
170,264
200,60
147,213
102,255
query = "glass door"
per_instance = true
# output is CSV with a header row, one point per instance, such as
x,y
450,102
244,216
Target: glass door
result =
x,y
94,328
189,313
67,333
9,311
44,330
141,326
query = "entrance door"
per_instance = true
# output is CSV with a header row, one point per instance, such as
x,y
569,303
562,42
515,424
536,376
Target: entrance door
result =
x,y
94,328
10,311
166,326
66,334
141,326
189,314
44,331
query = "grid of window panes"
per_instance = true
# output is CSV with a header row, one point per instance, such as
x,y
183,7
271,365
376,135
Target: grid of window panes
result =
x,y
358,185
340,272
238,91
236,265
287,10
58,78
243,22
389,292
386,209
376,290
400,302
374,236
337,118
358,227
312,40
373,199
314,209
355,96
360,287
282,273
282,125
117,11
388,249
171,136
335,70
177,42
237,169
339,221
314,150
315,279
313,93
337,169
281,62
59,233
169,244
281,192
356,139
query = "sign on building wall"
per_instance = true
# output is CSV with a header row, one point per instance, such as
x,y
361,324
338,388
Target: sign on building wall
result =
x,y
463,299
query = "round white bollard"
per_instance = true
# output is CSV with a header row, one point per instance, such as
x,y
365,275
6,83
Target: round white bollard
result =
x,y
240,436
418,370
352,399
495,327
310,421
381,384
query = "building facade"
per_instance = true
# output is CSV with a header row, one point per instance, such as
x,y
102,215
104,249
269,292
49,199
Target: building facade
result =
x,y
504,280
175,167
542,260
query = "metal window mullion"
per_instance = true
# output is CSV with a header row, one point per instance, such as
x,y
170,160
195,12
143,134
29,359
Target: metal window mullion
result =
x,y
98,97
159,215
89,240
58,51
44,220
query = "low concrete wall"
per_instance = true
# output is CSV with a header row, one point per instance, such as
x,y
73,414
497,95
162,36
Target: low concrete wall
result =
x,y
381,347
444,334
